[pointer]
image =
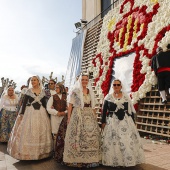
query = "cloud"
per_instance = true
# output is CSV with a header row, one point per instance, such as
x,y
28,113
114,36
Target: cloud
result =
x,y
35,38
25,68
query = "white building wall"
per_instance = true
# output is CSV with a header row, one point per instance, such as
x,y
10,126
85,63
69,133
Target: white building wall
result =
x,y
90,9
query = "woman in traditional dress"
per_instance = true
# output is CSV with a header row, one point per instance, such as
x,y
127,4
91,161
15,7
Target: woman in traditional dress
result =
x,y
82,141
31,137
8,114
59,144
121,145
57,108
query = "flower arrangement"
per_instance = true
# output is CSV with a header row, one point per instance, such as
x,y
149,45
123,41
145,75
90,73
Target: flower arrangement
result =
x,y
132,27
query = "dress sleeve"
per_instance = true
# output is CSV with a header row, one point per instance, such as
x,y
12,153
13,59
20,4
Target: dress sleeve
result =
x,y
71,98
104,111
25,100
49,105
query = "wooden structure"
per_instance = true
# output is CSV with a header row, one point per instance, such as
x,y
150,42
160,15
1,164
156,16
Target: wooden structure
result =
x,y
153,117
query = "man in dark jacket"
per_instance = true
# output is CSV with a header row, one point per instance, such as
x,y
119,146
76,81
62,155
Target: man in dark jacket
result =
x,y
162,62
154,63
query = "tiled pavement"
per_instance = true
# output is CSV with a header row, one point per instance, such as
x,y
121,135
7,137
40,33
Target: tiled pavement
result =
x,y
157,158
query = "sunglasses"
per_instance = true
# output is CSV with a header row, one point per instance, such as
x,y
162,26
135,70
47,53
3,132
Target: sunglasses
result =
x,y
116,84
50,83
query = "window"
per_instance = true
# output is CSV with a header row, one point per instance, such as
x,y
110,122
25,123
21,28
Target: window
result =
x,y
105,6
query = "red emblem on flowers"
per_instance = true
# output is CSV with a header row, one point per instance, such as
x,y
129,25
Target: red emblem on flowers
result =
x,y
135,18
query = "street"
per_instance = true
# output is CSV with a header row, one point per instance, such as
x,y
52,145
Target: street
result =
x,y
157,158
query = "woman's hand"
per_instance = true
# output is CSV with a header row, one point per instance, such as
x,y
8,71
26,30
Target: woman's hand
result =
x,y
61,114
103,125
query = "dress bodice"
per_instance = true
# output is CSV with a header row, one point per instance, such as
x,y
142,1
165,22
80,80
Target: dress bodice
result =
x,y
119,107
86,98
36,101
9,104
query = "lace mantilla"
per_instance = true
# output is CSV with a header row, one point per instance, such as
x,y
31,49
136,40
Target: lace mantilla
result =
x,y
75,96
36,98
118,102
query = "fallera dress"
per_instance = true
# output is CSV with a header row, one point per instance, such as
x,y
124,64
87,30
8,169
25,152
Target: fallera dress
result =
x,y
8,115
31,137
82,140
121,143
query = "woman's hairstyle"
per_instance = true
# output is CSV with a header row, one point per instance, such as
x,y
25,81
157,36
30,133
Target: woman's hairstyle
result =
x,y
5,92
62,88
117,80
10,86
39,80
85,74
28,81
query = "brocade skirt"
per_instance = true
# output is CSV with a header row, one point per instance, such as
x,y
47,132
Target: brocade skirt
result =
x,y
31,137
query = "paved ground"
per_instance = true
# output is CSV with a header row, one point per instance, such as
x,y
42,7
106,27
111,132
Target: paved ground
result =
x,y
157,158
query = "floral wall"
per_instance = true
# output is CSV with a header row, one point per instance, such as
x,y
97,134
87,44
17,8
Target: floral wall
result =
x,y
136,26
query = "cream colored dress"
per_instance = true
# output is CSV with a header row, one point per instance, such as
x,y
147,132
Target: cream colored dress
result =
x,y
82,141
31,135
55,119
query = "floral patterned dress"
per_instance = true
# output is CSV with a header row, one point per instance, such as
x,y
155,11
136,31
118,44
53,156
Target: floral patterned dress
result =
x,y
121,144
8,116
82,141
59,147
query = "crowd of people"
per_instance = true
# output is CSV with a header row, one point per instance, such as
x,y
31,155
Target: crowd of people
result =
x,y
53,122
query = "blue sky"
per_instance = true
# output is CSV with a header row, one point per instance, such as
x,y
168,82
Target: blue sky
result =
x,y
36,37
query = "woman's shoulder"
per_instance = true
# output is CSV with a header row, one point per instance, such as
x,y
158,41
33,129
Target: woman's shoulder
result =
x,y
29,92
42,93
4,97
108,97
24,90
126,96
75,91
